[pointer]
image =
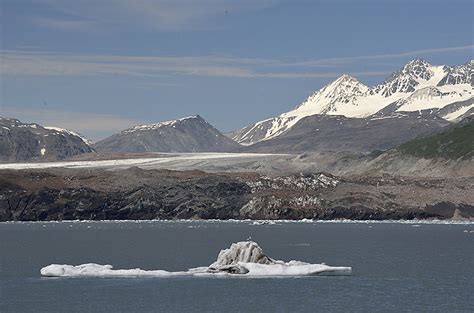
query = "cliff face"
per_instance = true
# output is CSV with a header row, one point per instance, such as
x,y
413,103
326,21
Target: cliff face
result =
x,y
83,194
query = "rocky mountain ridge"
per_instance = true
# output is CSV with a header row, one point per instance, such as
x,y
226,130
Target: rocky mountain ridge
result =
x,y
321,132
30,141
189,134
417,86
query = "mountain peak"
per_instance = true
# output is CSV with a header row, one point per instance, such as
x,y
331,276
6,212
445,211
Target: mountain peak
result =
x,y
158,125
406,79
418,68
187,134
31,141
193,117
346,82
345,78
417,61
332,97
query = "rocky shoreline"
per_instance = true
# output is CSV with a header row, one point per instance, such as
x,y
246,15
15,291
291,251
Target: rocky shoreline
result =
x,y
139,194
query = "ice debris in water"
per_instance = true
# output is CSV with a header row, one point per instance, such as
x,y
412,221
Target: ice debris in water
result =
x,y
264,222
244,258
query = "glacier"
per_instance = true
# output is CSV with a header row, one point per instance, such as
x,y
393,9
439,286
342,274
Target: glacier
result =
x,y
242,259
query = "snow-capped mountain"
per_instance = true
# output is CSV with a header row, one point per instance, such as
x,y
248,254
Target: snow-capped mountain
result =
x,y
27,141
417,86
342,92
189,134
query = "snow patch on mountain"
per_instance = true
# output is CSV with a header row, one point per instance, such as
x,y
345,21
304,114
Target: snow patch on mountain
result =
x,y
159,125
458,113
435,97
188,134
70,132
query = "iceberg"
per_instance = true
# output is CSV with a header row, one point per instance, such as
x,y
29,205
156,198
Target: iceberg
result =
x,y
242,259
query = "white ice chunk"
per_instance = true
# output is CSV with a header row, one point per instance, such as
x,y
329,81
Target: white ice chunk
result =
x,y
97,270
243,259
293,268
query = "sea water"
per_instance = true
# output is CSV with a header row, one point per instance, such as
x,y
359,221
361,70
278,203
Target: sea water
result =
x,y
396,267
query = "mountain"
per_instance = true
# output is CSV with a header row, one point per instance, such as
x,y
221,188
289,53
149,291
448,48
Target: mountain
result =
x,y
417,86
189,134
21,142
343,90
322,132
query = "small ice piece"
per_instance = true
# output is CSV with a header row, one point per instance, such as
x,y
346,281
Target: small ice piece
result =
x,y
264,222
97,270
243,259
229,260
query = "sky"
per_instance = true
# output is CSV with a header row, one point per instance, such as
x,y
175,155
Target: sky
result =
x,y
98,67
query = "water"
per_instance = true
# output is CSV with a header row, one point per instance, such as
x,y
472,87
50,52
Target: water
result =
x,y
396,267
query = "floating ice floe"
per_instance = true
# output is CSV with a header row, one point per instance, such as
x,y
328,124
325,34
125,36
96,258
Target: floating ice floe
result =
x,y
242,259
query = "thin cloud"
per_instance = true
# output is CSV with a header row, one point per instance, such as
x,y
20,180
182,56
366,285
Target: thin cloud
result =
x,y
44,64
156,15
33,63
53,64
320,75
66,24
413,53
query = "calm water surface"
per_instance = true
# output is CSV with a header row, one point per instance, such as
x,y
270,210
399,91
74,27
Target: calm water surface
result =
x,y
396,267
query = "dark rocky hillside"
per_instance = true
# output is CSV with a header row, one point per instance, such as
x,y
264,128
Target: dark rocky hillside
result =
x,y
191,134
339,133
22,142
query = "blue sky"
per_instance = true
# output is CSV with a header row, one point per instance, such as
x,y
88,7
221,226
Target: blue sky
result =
x,y
100,66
